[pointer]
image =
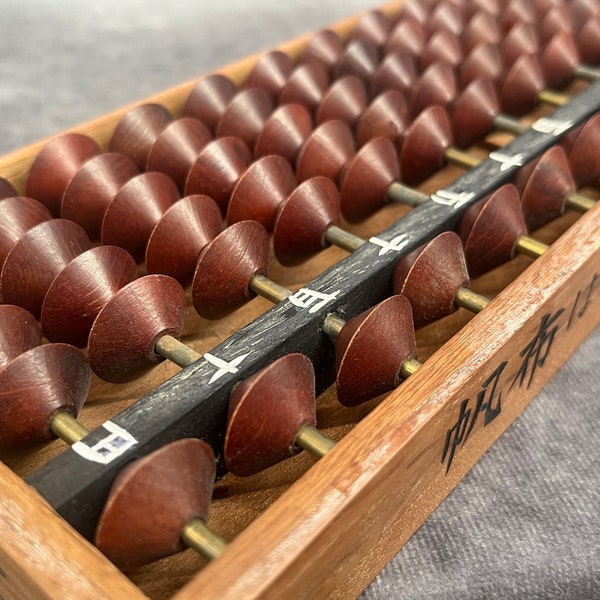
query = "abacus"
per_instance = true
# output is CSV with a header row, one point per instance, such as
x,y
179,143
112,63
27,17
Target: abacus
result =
x,y
418,434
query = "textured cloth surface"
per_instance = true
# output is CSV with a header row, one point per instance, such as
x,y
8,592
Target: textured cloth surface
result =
x,y
523,523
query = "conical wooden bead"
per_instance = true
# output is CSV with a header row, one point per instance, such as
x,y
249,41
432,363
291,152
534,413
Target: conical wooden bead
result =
x,y
95,276
446,16
367,177
326,151
19,332
385,116
324,48
225,267
37,384
152,499
245,115
265,413
524,81
473,112
442,47
208,100
521,39
303,218
37,258
177,147
270,73
93,188
124,334
547,188
359,59
436,86
407,36
397,71
135,210
285,132
422,152
555,20
416,10
260,190
370,351
490,236
516,11
482,28
584,155
484,61
306,86
137,131
6,189
179,236
430,277
55,166
217,169
558,61
582,11
19,215
588,42
372,27
345,100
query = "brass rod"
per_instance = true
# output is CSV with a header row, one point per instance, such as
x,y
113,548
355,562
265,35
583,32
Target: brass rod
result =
x,y
398,192
460,159
269,289
586,72
530,246
579,202
343,239
333,325
552,98
176,351
66,427
409,367
470,300
312,440
509,124
197,535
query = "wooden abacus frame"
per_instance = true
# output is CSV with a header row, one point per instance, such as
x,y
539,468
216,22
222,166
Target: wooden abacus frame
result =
x,y
325,535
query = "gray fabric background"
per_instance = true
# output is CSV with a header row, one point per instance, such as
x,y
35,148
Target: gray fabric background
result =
x,y
523,523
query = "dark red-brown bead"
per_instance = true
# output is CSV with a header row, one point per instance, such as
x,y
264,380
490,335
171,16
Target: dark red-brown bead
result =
x,y
137,131
397,71
367,177
345,100
385,116
265,413
217,169
303,219
19,215
446,16
135,210
359,59
416,10
306,86
548,185
521,39
556,20
430,277
324,48
442,47
81,290
34,386
588,41
123,337
406,36
522,85
245,115
482,28
179,236
584,155
93,188
285,132
208,100
490,230
583,11
326,151
436,86
37,258
226,266
7,190
152,499
516,11
177,147
55,166
260,190
270,73
483,62
422,152
370,351
373,27
19,332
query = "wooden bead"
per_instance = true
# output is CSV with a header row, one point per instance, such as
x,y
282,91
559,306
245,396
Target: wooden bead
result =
x,y
177,147
265,413
482,28
473,112
123,336
270,73
226,266
584,155
93,188
55,165
324,48
19,332
489,230
516,11
208,100
303,218
360,59
37,384
81,290
345,100
245,115
37,258
554,21
7,190
152,499
217,169
422,152
436,86
373,27
260,190
179,236
306,86
397,71
407,36
386,116
588,41
367,177
370,351
285,132
137,131
524,81
446,16
484,62
547,188
442,47
19,215
416,10
582,11
135,210
430,277
326,151
521,39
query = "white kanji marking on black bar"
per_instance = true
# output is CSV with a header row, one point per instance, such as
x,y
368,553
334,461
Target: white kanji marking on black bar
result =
x,y
552,126
311,299
223,366
508,160
116,443
396,244
453,199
